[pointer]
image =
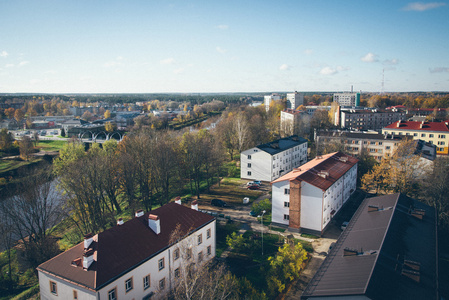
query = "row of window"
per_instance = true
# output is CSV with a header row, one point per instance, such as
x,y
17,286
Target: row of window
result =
x,y
431,135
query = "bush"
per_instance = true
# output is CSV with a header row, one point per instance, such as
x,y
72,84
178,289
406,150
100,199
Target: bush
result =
x,y
258,208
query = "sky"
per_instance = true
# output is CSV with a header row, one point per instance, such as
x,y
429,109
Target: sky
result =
x,y
190,46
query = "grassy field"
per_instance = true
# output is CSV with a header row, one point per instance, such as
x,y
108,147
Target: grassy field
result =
x,y
9,164
50,145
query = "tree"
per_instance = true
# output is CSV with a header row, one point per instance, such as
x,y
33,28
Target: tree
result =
x,y
285,266
34,210
6,139
36,138
25,147
62,132
18,115
9,112
110,127
107,114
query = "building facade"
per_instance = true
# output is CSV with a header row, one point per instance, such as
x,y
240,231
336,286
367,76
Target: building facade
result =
x,y
294,100
269,161
133,260
307,198
369,119
436,133
347,99
291,121
270,98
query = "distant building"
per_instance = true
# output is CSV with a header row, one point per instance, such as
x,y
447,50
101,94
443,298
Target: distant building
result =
x,y
364,119
133,260
307,198
270,98
387,251
268,161
436,133
311,109
290,120
347,99
294,100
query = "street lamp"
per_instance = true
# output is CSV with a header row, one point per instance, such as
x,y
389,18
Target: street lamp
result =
x,y
261,223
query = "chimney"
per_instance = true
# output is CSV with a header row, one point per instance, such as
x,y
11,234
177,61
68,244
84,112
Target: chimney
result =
x,y
88,239
139,213
154,223
178,200
88,258
120,221
350,252
194,205
399,124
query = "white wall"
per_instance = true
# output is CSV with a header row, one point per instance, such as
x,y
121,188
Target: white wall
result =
x,y
277,204
64,289
260,165
311,207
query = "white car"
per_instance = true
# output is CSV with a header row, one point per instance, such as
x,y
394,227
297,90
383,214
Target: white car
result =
x,y
253,183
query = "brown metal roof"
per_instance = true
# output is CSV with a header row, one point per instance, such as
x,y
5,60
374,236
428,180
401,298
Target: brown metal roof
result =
x,y
122,248
330,163
386,238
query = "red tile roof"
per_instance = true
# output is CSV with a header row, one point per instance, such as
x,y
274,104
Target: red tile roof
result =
x,y
333,163
122,248
414,125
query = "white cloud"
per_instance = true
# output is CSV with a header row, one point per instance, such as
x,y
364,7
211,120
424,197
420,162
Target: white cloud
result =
x,y
370,57
284,67
391,62
328,71
167,61
439,70
308,51
178,71
419,6
3,54
23,63
9,65
223,27
341,68
221,50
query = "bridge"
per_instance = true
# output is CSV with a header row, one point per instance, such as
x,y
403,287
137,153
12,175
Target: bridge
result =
x,y
88,136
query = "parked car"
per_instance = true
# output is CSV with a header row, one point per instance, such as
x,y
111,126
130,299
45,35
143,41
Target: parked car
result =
x,y
253,187
43,132
218,202
252,183
258,182
344,225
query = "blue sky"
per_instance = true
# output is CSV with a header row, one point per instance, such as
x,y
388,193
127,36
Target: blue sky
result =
x,y
222,46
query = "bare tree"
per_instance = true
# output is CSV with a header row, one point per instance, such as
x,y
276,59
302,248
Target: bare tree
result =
x,y
25,147
241,130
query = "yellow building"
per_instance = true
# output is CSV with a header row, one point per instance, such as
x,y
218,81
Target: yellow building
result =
x,y
436,133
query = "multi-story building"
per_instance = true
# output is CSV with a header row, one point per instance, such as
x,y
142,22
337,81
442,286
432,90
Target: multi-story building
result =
x,y
268,161
270,98
436,133
311,109
347,99
136,259
388,250
308,197
376,145
291,120
294,100
362,119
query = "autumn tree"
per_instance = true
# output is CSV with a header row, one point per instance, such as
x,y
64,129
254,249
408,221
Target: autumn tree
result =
x,y
107,114
25,147
6,139
18,115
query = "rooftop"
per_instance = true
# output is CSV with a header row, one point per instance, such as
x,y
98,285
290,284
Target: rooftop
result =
x,y
424,126
387,251
334,165
282,144
123,247
362,135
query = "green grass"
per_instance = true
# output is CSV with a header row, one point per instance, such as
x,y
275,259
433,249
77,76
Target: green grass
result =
x,y
309,236
222,232
50,145
8,165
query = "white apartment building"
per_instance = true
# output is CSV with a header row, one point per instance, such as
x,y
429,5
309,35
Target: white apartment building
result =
x,y
133,260
270,98
294,100
290,120
347,99
306,199
363,119
269,161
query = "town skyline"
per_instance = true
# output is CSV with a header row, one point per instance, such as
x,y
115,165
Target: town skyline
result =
x,y
232,47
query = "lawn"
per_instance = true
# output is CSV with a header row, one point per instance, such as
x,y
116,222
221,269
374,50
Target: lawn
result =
x,y
50,145
10,164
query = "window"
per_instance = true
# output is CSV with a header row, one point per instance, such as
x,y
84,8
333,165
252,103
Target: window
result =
x,y
388,147
286,191
208,233
162,284
200,239
441,143
286,217
380,143
177,273
249,156
431,135
146,282
423,135
415,134
286,204
75,295
441,149
209,250
200,256
189,253
176,254
53,288
161,263
129,284
249,165
249,173
112,294
441,136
